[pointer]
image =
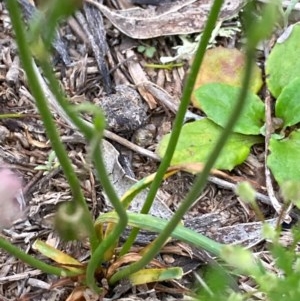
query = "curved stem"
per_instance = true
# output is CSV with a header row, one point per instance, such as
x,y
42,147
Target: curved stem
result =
x,y
200,181
97,249
88,131
68,170
198,186
98,256
184,103
42,105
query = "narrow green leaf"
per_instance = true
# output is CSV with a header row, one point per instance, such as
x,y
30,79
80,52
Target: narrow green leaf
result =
x,y
288,105
217,101
197,140
153,275
155,224
58,256
283,64
284,158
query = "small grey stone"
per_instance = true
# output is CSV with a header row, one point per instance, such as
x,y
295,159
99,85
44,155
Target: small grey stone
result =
x,y
125,110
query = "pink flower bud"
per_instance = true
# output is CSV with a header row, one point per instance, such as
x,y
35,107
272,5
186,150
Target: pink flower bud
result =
x,y
12,203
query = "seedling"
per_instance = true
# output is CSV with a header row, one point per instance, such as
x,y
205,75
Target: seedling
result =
x,y
51,164
147,50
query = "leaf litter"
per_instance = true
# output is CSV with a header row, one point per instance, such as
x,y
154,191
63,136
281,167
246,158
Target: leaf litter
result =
x,y
45,192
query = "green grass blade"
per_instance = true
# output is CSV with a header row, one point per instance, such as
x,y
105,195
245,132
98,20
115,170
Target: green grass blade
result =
x,y
155,224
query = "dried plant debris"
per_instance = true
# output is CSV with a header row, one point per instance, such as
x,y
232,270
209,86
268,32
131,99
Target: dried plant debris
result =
x,y
178,17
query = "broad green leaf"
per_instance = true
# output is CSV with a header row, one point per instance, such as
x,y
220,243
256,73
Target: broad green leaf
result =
x,y
197,140
288,105
225,65
217,101
285,157
283,64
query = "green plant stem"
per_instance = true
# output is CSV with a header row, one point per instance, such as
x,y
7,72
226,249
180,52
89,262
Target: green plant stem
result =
x,y
169,66
59,95
200,181
59,149
184,103
78,196
98,256
12,115
97,156
33,262
50,127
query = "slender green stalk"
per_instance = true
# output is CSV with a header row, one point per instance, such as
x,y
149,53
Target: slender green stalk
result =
x,y
78,197
33,262
11,115
90,134
184,103
88,131
98,256
59,95
42,105
200,182
201,179
97,156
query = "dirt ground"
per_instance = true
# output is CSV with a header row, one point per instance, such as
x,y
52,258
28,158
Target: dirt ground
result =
x,y
88,74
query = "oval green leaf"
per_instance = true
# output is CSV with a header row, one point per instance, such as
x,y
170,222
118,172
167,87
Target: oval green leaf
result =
x,y
197,140
283,64
225,65
284,158
288,105
217,101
